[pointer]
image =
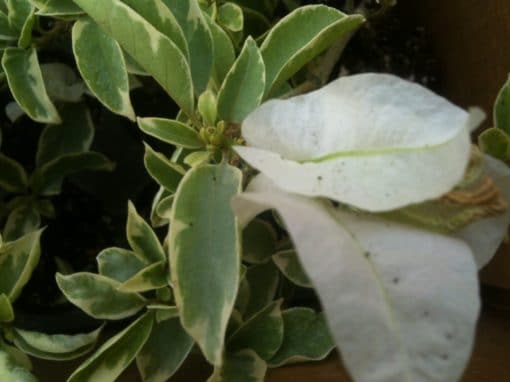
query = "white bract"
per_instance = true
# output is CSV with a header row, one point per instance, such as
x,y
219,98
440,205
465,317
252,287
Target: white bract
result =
x,y
373,141
401,302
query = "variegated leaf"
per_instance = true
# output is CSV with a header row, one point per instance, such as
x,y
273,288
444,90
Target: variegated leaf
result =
x,y
243,87
21,221
306,338
25,80
10,371
6,310
263,280
157,361
115,355
18,260
204,246
58,347
313,28
17,12
119,264
502,108
152,277
142,238
167,173
101,63
57,8
262,333
224,52
230,15
288,263
245,366
154,51
98,296
259,242
197,34
171,131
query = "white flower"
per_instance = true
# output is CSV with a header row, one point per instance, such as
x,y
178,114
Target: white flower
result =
x,y
373,141
401,302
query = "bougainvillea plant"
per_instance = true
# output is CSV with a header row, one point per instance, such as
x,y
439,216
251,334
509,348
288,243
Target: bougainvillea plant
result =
x,y
382,209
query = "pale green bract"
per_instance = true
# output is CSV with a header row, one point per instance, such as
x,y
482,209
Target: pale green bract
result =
x,y
373,141
415,291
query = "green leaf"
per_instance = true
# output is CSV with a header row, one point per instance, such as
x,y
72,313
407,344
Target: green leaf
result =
x,y
155,52
224,52
197,158
7,32
13,177
198,36
11,371
306,337
204,246
156,13
115,355
119,264
244,85
47,180
162,170
288,263
58,347
142,238
18,12
101,63
262,333
245,366
502,108
27,85
157,361
263,281
6,311
208,107
152,277
299,37
98,296
230,15
74,135
21,220
155,218
164,312
18,260
496,143
17,356
259,242
58,8
164,207
25,37
171,131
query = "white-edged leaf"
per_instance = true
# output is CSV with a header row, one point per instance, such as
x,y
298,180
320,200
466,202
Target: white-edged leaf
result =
x,y
262,333
300,36
502,108
101,63
6,310
288,263
204,247
26,83
197,34
55,8
230,15
17,12
157,361
171,131
167,173
373,141
62,83
18,260
11,371
263,282
259,242
21,220
58,347
119,264
243,87
245,366
413,290
152,277
98,296
142,238
306,338
155,52
224,52
115,355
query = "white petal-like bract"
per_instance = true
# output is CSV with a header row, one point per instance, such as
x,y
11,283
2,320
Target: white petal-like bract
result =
x,y
373,141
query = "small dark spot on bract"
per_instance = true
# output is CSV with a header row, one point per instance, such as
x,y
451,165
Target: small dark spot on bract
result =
x,y
319,178
214,179
368,254
426,313
449,336
190,224
335,203
395,280
444,357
